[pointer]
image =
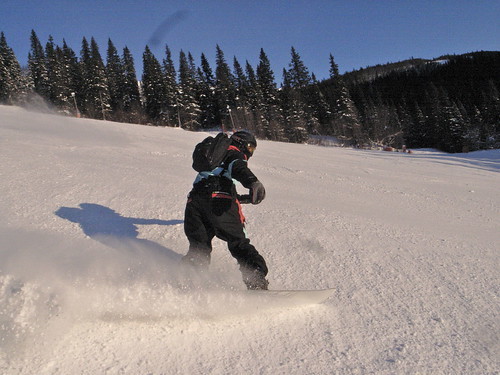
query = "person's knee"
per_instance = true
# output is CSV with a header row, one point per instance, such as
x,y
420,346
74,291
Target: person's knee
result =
x,y
197,256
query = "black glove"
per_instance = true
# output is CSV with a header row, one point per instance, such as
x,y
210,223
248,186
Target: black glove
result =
x,y
257,192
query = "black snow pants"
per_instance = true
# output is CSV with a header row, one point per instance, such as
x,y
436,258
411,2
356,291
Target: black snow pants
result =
x,y
211,214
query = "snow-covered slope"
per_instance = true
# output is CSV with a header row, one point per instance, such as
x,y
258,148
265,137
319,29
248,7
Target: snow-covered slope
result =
x,y
91,234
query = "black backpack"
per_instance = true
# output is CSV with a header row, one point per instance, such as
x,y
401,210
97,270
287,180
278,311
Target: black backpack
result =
x,y
210,153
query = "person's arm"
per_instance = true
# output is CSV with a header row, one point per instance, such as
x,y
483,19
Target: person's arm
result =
x,y
243,174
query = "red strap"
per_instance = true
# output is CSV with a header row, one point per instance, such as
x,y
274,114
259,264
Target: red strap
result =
x,y
232,147
221,195
240,211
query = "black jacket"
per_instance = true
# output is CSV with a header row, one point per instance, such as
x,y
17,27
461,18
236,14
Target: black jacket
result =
x,y
236,163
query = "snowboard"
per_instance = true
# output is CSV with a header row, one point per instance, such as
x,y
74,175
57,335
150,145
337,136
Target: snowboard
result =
x,y
292,297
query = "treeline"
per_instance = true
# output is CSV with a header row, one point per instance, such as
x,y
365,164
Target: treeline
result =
x,y
416,105
451,103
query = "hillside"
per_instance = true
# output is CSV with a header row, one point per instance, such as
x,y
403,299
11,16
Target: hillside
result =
x,y
91,235
371,73
451,103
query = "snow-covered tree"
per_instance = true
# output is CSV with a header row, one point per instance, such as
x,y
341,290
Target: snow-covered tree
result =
x,y
209,113
299,81
38,67
241,85
131,95
75,78
12,85
225,91
294,117
53,71
189,108
345,117
271,119
153,88
240,113
59,77
318,107
256,121
171,89
94,82
115,74
298,74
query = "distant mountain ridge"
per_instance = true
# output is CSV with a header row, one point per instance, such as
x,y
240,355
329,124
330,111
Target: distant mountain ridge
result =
x,y
371,73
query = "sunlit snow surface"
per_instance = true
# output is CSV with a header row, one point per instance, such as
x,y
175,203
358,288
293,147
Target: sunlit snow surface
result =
x,y
91,236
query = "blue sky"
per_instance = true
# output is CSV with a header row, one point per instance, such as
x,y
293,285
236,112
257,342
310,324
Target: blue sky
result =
x,y
358,33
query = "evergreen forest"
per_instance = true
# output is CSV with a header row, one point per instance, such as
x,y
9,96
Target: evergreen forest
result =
x,y
451,103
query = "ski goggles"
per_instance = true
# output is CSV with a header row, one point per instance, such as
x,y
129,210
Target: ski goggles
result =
x,y
251,148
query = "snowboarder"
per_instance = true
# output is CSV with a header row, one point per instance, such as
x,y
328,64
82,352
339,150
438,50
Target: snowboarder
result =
x,y
213,209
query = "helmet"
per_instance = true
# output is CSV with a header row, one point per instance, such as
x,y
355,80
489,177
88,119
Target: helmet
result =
x,y
246,141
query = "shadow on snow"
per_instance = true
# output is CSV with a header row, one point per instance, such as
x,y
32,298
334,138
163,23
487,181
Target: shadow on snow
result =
x,y
114,230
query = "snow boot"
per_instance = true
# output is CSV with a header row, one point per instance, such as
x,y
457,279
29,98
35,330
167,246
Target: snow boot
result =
x,y
255,280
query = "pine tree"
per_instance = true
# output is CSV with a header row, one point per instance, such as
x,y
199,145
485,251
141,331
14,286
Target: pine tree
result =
x,y
257,120
38,68
299,80
53,73
189,110
171,90
490,112
101,97
239,113
206,74
320,110
406,123
5,79
334,68
293,113
473,133
271,117
59,77
444,127
393,131
345,117
254,92
241,84
153,87
66,83
451,125
431,107
94,83
371,122
337,83
74,80
192,66
225,91
115,74
298,73
416,134
131,96
12,87
209,114
265,79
